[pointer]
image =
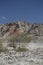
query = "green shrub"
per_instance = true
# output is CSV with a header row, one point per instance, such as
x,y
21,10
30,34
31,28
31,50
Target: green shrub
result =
x,y
21,49
3,50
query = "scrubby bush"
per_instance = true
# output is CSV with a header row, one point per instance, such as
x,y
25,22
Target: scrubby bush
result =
x,y
1,46
21,38
12,42
12,45
27,39
2,49
21,49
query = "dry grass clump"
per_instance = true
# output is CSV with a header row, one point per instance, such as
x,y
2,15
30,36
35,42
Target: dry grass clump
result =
x,y
21,49
12,42
2,49
27,39
20,38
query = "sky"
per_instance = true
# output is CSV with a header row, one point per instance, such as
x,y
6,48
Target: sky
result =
x,y
25,10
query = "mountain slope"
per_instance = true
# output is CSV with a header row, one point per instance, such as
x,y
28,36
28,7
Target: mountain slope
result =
x,y
21,27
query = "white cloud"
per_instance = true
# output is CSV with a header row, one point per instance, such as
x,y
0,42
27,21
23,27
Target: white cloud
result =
x,y
3,17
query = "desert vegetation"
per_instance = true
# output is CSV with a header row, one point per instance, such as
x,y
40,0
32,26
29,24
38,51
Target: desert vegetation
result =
x,y
21,49
20,38
2,48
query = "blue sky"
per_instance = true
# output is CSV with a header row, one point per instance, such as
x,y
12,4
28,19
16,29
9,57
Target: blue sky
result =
x,y
26,10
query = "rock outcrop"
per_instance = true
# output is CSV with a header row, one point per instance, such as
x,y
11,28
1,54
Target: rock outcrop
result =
x,y
21,27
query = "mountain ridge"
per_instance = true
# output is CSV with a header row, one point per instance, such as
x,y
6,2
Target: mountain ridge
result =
x,y
20,27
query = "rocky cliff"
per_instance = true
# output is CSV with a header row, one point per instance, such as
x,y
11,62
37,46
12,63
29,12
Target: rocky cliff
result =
x,y
20,27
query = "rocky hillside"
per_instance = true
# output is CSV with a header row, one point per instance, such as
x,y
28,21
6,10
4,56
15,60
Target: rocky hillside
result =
x,y
21,43
20,27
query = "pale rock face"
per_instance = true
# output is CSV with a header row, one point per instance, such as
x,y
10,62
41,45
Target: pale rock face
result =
x,y
24,27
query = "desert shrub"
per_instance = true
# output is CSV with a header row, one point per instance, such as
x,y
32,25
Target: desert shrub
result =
x,y
35,39
12,42
20,38
21,49
1,46
27,39
12,45
2,49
